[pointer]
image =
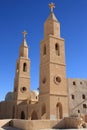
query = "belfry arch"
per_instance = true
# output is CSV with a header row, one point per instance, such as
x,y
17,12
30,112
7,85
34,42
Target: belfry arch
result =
x,y
24,67
57,49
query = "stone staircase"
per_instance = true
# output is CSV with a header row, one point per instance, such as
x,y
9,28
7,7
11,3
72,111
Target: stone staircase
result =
x,y
4,123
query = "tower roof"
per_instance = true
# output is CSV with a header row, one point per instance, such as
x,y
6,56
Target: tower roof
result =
x,y
52,25
24,47
24,43
52,15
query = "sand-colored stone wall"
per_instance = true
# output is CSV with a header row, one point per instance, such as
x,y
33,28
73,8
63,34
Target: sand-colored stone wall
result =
x,y
4,122
37,124
6,109
66,123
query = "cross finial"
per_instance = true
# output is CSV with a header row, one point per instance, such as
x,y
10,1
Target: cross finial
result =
x,y
52,6
24,33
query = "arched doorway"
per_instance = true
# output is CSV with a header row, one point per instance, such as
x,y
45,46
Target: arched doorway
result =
x,y
34,116
43,112
59,111
22,115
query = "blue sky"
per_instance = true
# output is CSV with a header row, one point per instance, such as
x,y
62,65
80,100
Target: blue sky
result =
x,y
30,15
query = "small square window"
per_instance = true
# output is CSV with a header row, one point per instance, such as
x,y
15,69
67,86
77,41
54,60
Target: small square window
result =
x,y
78,111
83,96
74,83
80,82
73,97
84,105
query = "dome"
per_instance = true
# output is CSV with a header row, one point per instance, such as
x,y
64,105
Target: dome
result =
x,y
36,92
9,96
34,95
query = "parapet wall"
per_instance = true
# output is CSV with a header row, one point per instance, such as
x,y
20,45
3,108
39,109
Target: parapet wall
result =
x,y
37,124
68,123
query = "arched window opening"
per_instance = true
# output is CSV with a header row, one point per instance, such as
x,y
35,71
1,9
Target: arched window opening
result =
x,y
57,49
59,111
43,114
44,50
34,116
24,67
22,115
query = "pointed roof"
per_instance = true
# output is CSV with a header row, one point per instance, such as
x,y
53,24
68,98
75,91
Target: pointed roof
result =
x,y
52,15
24,43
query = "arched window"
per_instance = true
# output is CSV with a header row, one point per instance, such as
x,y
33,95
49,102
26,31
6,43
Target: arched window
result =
x,y
59,111
22,115
57,49
44,50
43,114
34,116
24,67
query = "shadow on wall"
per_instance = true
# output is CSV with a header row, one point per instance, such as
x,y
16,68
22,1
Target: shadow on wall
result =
x,y
6,123
60,124
71,123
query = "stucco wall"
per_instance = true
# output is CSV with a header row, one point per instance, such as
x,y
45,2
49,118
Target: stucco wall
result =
x,y
77,88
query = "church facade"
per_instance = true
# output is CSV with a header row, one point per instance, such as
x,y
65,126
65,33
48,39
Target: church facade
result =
x,y
58,96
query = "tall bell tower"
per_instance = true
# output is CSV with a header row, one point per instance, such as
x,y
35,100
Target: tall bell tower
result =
x,y
53,86
22,76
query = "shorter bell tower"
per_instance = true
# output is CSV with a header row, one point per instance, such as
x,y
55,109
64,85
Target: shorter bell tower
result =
x,y
22,76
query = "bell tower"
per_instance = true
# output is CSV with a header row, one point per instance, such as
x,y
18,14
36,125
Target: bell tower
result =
x,y
53,86
22,76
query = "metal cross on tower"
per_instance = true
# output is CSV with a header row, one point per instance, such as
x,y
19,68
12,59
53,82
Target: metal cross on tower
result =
x,y
24,33
52,6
